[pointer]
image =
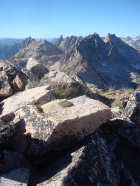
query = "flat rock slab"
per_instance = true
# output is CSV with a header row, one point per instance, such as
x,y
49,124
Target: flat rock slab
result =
x,y
15,178
36,96
55,127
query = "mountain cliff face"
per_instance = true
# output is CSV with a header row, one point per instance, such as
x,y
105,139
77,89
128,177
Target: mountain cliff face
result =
x,y
10,49
102,62
43,51
134,42
65,43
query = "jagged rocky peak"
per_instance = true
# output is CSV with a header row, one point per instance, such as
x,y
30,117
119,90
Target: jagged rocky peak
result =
x,y
110,37
102,63
27,42
66,43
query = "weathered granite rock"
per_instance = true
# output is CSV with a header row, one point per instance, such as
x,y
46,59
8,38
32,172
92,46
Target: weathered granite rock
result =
x,y
54,127
57,77
6,131
11,70
36,96
10,160
132,110
15,178
5,87
37,68
109,157
30,75
100,160
19,83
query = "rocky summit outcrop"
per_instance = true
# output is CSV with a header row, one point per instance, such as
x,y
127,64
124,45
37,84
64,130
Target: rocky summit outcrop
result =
x,y
36,96
109,157
66,43
59,124
102,62
43,51
35,67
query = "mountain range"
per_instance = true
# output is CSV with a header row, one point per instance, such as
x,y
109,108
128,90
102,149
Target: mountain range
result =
x,y
98,61
42,50
102,62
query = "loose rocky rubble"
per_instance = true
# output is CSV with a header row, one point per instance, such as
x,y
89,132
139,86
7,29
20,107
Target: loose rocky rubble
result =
x,y
74,141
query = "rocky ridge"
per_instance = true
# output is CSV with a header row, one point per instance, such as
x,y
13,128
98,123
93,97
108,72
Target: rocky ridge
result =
x,y
66,43
7,51
97,61
42,50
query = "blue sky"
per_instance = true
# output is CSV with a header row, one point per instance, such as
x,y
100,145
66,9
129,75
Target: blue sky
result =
x,y
51,18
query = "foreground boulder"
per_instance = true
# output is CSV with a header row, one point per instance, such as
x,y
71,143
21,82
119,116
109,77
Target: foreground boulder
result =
x,y
36,96
36,67
15,178
132,110
109,157
59,124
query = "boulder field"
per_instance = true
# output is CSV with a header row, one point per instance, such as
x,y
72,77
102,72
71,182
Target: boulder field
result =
x,y
75,141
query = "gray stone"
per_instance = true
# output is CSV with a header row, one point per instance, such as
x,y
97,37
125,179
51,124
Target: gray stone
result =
x,y
5,87
15,178
11,160
105,158
132,110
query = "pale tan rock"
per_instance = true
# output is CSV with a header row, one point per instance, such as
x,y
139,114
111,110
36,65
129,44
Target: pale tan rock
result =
x,y
36,96
57,77
36,67
58,127
19,83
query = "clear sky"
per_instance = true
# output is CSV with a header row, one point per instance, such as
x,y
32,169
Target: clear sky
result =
x,y
51,18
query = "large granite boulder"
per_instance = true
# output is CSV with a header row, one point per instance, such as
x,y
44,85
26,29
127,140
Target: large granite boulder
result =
x,y
36,96
109,157
15,178
132,110
59,124
36,67
5,87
